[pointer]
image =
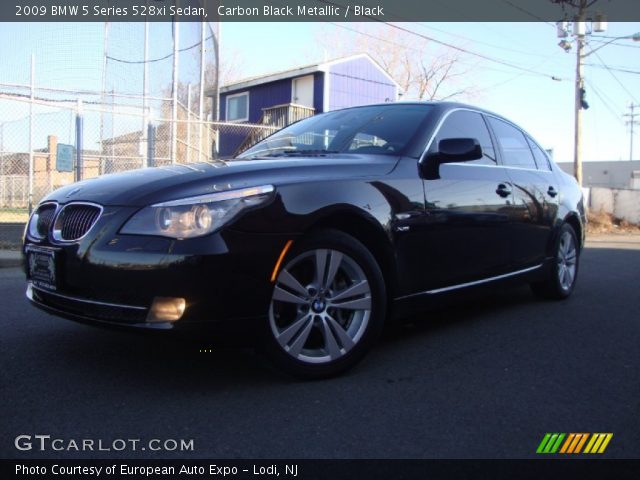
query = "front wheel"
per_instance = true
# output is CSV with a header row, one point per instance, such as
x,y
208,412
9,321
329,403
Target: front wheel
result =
x,y
562,278
327,307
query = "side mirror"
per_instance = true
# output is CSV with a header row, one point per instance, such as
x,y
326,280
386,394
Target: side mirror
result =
x,y
459,150
450,150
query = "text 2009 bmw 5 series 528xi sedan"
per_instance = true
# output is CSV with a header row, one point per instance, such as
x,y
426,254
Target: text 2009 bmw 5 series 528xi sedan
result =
x,y
316,234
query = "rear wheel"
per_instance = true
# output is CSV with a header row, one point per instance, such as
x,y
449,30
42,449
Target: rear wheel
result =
x,y
563,274
327,308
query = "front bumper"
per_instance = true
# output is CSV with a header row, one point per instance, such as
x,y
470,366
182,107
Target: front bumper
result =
x,y
91,311
112,279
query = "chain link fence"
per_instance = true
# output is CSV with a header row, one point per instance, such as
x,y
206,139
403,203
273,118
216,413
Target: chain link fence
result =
x,y
47,142
79,100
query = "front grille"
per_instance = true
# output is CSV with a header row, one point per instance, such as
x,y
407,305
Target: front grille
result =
x,y
75,220
45,216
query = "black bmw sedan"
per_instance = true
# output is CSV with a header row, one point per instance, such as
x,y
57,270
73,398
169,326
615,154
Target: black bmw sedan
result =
x,y
316,235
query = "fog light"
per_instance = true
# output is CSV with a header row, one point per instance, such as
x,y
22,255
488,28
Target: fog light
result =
x,y
166,309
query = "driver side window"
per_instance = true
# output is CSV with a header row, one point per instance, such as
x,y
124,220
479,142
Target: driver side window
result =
x,y
466,124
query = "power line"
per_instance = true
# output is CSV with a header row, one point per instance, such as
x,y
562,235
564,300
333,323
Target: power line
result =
x,y
527,12
409,47
454,47
616,43
614,76
469,52
615,69
480,42
186,49
601,96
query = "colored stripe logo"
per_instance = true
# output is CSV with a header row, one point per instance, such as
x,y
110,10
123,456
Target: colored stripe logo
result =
x,y
574,443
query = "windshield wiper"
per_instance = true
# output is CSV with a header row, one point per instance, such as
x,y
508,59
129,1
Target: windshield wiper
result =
x,y
300,153
288,153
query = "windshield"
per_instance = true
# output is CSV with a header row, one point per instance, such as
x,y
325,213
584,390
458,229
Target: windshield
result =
x,y
381,129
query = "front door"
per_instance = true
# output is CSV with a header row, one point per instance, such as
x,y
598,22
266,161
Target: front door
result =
x,y
468,210
302,91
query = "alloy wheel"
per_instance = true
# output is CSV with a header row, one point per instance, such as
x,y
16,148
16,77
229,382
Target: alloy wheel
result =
x,y
567,258
321,306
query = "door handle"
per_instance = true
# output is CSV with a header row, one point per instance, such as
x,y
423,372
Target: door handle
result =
x,y
552,192
503,190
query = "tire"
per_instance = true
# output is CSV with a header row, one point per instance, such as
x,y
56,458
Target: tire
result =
x,y
563,274
321,325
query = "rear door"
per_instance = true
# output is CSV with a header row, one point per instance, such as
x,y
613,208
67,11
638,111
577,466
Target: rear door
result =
x,y
535,193
467,211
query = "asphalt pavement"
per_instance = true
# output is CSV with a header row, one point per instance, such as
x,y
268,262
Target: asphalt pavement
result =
x,y
484,378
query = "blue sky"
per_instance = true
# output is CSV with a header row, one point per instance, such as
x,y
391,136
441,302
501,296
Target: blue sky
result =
x,y
542,106
69,56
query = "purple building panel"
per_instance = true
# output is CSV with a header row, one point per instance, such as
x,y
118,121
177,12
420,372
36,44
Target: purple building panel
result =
x,y
358,81
349,82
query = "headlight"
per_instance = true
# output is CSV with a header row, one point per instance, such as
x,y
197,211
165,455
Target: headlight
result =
x,y
195,216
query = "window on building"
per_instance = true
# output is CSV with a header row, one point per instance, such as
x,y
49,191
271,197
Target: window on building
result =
x,y
238,107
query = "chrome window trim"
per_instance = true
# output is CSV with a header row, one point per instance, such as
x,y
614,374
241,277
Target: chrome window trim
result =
x,y
56,234
469,284
500,166
544,152
486,114
31,287
53,219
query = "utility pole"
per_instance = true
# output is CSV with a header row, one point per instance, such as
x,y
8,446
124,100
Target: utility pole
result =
x,y
578,28
579,32
631,122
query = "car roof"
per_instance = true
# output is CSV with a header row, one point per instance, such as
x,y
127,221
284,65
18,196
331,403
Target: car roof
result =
x,y
443,106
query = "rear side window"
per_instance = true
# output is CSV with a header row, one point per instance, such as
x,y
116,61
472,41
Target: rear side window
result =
x,y
466,124
515,149
539,155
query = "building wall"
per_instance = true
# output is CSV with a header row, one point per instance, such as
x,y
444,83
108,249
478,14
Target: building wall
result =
x,y
620,203
318,92
260,96
351,83
358,82
612,174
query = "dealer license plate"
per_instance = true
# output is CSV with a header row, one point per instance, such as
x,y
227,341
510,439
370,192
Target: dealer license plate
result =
x,y
41,265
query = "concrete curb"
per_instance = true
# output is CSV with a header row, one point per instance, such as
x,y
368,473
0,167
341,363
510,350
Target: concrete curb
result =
x,y
10,259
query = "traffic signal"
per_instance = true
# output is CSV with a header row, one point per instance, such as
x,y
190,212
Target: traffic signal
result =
x,y
583,100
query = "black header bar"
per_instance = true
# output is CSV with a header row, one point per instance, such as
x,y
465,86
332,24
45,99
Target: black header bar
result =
x,y
310,10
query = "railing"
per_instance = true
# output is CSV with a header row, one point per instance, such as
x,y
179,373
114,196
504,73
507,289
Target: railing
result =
x,y
282,115
278,116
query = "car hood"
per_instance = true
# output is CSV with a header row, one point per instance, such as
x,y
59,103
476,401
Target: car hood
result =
x,y
151,185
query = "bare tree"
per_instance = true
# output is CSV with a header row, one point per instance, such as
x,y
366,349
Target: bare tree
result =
x,y
230,71
422,70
